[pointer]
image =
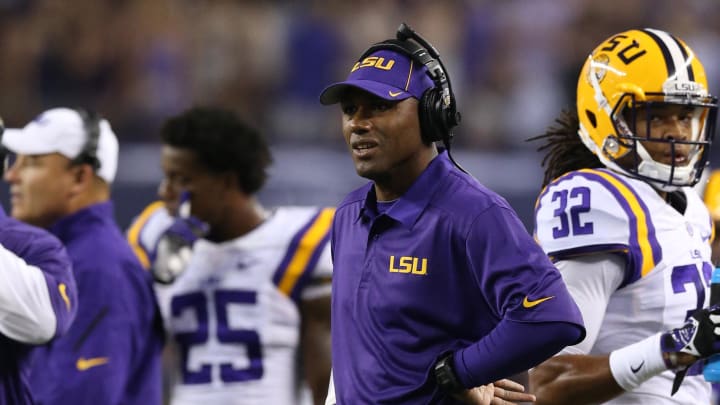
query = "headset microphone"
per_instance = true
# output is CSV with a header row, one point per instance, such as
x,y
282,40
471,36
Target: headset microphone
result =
x,y
404,32
437,71
439,109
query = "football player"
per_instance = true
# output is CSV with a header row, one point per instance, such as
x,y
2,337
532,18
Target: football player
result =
x,y
628,233
38,299
254,293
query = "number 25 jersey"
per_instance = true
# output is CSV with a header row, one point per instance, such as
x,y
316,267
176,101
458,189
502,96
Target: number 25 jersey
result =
x,y
667,260
234,310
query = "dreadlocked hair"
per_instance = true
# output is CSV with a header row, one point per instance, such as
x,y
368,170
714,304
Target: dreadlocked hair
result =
x,y
564,149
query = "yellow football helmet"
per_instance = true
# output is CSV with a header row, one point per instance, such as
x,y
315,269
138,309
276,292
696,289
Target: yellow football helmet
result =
x,y
632,73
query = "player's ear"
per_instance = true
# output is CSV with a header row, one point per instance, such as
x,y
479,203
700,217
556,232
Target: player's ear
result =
x,y
230,180
84,173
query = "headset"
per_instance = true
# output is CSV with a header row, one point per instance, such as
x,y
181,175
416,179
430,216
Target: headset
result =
x,y
437,109
91,124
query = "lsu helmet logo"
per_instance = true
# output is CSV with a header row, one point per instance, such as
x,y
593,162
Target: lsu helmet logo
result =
x,y
683,88
374,61
599,67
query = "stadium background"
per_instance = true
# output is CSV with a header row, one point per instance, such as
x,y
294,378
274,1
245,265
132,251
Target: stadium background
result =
x,y
513,66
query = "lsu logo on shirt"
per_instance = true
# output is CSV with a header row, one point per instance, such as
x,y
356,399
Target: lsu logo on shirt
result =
x,y
408,264
374,61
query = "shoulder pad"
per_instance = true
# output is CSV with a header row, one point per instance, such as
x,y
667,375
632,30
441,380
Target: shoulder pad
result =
x,y
595,210
146,230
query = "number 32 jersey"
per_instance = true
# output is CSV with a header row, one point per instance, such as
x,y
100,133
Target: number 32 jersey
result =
x,y
234,310
667,256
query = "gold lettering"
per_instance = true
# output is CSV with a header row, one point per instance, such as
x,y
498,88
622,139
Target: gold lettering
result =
x,y
387,66
373,61
392,265
423,269
408,265
405,264
369,61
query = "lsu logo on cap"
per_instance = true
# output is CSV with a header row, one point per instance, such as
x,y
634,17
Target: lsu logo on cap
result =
x,y
374,61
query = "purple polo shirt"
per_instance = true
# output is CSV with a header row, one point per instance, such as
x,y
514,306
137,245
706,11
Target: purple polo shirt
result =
x,y
38,248
435,273
111,354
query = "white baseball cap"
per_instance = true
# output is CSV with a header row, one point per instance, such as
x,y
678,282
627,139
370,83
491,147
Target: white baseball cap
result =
x,y
62,130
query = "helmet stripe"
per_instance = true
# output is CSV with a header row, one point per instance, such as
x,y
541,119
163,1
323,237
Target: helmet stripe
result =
x,y
675,60
691,73
670,67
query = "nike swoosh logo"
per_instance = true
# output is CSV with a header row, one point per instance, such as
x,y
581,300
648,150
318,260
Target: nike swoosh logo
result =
x,y
394,94
84,364
529,304
636,369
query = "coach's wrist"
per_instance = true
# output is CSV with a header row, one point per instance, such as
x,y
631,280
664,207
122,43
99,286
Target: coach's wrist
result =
x,y
445,375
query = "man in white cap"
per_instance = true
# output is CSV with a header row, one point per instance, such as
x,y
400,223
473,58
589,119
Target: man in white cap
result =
x,y
60,180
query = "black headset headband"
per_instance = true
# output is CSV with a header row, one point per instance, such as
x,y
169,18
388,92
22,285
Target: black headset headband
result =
x,y
430,57
91,123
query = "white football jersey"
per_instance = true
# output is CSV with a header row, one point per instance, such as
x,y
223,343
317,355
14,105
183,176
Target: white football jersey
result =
x,y
234,311
667,256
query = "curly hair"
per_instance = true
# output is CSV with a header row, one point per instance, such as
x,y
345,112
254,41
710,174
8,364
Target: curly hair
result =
x,y
222,142
564,150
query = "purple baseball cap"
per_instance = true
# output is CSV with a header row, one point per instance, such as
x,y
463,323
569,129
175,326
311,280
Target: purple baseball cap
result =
x,y
385,73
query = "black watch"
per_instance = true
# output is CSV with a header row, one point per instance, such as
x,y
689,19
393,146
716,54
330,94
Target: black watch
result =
x,y
445,375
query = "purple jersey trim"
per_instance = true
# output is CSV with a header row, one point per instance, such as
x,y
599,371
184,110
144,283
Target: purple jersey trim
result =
x,y
635,259
291,252
307,272
632,269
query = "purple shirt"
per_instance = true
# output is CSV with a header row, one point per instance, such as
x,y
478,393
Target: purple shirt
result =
x,y
38,248
111,354
434,274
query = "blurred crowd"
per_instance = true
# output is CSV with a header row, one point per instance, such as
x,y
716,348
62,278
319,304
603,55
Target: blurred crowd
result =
x,y
513,63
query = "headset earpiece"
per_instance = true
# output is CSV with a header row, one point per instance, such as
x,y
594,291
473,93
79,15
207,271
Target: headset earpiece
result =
x,y
432,127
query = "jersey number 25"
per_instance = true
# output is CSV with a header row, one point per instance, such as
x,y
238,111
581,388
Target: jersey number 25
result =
x,y
198,303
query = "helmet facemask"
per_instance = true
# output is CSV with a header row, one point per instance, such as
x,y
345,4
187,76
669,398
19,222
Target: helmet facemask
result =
x,y
679,159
